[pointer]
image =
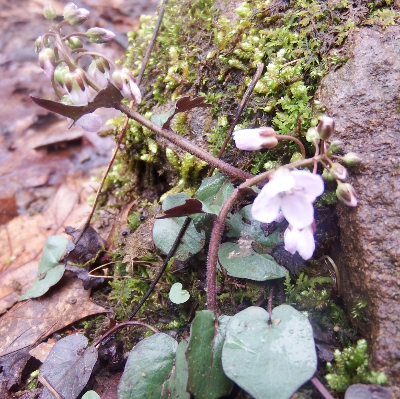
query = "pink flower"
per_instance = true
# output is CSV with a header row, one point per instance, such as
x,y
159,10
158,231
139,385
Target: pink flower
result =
x,y
100,35
125,83
255,139
89,122
301,241
74,15
346,194
47,61
292,192
75,85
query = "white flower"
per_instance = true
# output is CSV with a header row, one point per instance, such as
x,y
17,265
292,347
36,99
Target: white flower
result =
x,y
47,61
255,139
293,193
125,83
75,85
99,71
89,122
301,241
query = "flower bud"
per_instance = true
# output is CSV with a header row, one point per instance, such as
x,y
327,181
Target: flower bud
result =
x,y
339,172
74,15
326,127
49,12
47,61
312,134
335,146
60,72
74,43
75,85
351,159
125,83
99,71
327,176
346,194
255,139
100,35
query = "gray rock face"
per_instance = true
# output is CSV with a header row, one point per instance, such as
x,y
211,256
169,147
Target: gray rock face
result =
x,y
364,98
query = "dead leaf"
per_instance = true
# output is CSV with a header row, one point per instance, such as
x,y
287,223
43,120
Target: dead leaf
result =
x,y
28,322
12,366
41,351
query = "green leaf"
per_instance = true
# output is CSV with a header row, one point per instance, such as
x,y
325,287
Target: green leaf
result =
x,y
177,294
49,271
206,377
269,361
148,368
243,262
40,287
242,224
213,192
160,119
52,252
178,381
90,395
165,231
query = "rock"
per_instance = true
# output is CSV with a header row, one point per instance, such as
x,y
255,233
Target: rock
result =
x,y
362,391
364,98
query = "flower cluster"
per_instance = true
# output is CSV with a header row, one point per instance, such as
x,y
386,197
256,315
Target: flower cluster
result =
x,y
290,193
59,56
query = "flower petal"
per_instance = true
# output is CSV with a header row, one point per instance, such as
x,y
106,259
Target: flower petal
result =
x,y
279,183
313,185
297,210
265,209
306,243
291,238
90,122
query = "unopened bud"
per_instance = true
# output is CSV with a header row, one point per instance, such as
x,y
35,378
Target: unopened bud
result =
x,y
335,146
60,72
74,15
351,159
255,139
327,176
74,43
100,35
47,61
312,134
76,87
346,194
126,84
49,12
326,127
99,71
339,172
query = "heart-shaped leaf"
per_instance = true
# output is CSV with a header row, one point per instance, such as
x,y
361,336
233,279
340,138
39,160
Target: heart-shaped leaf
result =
x,y
54,248
243,262
213,192
165,231
68,366
91,395
206,377
148,368
177,294
269,361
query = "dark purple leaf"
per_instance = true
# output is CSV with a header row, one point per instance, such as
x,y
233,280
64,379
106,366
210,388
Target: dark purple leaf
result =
x,y
106,98
11,367
190,207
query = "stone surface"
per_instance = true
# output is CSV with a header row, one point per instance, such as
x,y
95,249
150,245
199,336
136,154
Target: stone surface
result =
x,y
362,391
364,98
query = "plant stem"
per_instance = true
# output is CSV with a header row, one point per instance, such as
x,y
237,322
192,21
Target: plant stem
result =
x,y
321,388
297,141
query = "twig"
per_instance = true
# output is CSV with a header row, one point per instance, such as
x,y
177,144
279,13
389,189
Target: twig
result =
x,y
125,323
270,296
163,267
46,383
321,388
239,111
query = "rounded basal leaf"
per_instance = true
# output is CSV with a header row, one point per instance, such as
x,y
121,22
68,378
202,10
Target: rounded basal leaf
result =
x,y
177,294
53,250
41,286
68,366
269,361
91,395
206,377
213,192
165,231
148,368
242,262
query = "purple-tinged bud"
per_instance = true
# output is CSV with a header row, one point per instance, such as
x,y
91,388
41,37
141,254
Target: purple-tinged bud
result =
x,y
351,159
255,139
99,71
74,15
327,176
74,43
339,172
326,127
100,35
335,146
125,83
60,72
75,85
49,12
47,61
312,134
346,194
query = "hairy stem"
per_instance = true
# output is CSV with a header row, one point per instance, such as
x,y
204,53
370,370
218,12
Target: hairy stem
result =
x,y
297,141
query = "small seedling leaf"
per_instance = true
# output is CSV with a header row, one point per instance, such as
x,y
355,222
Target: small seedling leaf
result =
x,y
242,262
165,231
213,192
90,395
206,377
148,368
269,360
68,366
177,294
